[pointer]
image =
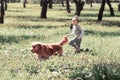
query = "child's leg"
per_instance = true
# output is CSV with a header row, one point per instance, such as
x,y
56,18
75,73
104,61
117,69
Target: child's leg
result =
x,y
78,43
72,43
75,43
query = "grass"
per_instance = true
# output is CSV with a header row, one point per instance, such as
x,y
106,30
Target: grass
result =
x,y
99,59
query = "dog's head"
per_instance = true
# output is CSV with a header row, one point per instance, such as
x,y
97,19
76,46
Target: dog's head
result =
x,y
36,47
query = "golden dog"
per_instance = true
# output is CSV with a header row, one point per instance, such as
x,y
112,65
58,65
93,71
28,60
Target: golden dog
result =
x,y
44,51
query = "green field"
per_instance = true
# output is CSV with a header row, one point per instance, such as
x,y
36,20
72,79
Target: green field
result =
x,y
100,59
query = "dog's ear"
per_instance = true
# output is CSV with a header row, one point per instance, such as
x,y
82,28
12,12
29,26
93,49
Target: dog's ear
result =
x,y
39,46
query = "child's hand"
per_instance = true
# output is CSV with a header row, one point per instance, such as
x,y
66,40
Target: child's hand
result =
x,y
79,37
67,35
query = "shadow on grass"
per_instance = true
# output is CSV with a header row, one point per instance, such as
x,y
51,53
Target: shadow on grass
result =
x,y
106,23
15,11
36,27
52,19
101,71
38,19
86,51
102,34
23,17
110,23
96,15
17,39
29,27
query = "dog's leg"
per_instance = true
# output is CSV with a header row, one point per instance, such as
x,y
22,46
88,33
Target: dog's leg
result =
x,y
39,57
60,52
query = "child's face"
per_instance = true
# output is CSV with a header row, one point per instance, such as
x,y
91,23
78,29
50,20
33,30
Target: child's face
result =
x,y
74,22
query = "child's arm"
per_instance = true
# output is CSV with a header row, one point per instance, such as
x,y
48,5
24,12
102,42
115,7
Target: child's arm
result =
x,y
81,33
70,34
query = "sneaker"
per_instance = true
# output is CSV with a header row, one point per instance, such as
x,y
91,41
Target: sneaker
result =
x,y
77,51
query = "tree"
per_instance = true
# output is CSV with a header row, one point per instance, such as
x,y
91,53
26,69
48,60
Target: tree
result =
x,y
100,15
41,2
50,4
68,6
101,10
5,4
111,9
79,6
89,2
1,11
63,3
24,3
119,7
12,1
44,8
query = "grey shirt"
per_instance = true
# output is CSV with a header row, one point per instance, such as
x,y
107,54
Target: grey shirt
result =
x,y
77,31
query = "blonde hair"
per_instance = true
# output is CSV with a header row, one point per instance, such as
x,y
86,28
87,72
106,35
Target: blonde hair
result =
x,y
75,18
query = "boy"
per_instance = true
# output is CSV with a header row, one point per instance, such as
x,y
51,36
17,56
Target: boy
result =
x,y
77,31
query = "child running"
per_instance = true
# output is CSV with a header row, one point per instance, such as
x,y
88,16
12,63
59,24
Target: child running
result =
x,y
77,31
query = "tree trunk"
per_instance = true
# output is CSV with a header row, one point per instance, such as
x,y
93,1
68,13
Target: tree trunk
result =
x,y
111,9
87,2
12,1
24,3
82,4
68,6
100,15
119,7
1,11
79,6
44,9
91,3
50,4
41,2
5,4
63,3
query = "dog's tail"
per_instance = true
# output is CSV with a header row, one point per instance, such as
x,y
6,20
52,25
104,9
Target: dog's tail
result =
x,y
63,41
